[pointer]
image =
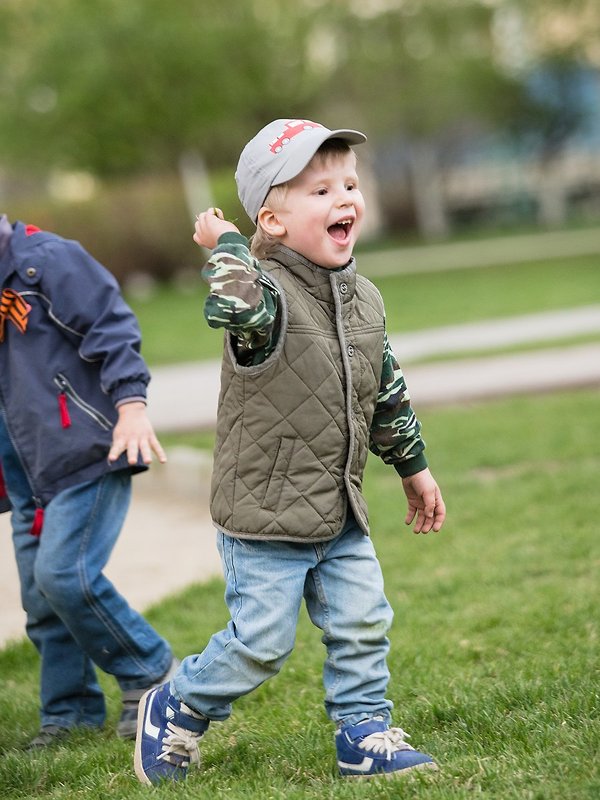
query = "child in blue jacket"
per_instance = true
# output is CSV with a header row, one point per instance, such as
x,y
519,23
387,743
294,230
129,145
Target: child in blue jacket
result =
x,y
73,429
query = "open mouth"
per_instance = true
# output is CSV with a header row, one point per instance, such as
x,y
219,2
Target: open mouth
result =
x,y
340,231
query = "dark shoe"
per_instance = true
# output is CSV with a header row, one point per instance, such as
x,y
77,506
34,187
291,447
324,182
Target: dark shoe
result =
x,y
127,725
48,736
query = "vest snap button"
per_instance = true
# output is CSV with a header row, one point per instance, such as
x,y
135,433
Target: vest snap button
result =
x,y
343,288
31,271
350,350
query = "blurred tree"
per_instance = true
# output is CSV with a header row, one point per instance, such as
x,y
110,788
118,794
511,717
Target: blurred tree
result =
x,y
127,86
550,46
565,27
117,87
554,115
422,68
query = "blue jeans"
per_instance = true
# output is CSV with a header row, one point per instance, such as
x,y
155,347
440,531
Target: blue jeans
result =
x,y
341,583
75,616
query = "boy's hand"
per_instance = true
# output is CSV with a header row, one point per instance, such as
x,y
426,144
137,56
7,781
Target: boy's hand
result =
x,y
424,502
209,226
133,434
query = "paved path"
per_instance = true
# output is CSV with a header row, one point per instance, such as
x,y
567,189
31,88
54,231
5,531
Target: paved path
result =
x,y
169,512
547,326
184,397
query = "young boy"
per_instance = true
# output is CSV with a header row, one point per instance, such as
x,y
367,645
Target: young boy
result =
x,y
309,384
73,429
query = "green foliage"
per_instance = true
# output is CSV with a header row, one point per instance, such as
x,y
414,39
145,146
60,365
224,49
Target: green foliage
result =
x,y
409,53
119,87
115,87
136,226
493,651
458,296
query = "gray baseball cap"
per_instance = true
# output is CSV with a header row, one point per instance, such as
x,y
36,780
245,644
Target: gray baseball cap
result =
x,y
278,153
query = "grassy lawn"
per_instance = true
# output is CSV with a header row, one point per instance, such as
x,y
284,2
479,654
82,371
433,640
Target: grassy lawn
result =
x,y
414,302
494,655
174,329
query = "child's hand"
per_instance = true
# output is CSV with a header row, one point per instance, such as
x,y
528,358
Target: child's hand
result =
x,y
209,226
424,501
134,435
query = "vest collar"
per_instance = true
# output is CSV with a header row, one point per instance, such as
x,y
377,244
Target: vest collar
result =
x,y
318,281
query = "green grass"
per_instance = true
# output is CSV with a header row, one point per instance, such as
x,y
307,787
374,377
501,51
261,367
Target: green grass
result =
x,y
470,233
494,655
414,302
174,329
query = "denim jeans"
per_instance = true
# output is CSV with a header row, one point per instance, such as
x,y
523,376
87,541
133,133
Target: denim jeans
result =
x,y
341,583
75,616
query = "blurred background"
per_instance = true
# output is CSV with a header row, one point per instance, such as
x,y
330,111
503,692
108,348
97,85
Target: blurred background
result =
x,y
119,119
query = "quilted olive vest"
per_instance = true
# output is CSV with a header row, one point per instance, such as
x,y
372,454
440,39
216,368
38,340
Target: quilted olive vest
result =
x,y
293,432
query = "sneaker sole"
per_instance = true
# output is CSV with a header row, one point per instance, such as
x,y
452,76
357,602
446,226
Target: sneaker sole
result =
x,y
427,766
137,753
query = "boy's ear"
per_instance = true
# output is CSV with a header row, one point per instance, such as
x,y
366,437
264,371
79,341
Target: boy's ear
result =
x,y
270,223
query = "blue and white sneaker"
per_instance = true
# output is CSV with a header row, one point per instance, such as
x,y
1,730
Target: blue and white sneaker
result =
x,y
373,748
167,737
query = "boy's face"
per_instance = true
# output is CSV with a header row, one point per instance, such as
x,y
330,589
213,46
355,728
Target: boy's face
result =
x,y
323,211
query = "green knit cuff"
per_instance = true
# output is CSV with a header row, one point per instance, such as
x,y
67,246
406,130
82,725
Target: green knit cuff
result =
x,y
411,466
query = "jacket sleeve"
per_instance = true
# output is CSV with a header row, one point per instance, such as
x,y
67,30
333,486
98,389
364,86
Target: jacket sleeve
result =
x,y
395,430
86,303
242,299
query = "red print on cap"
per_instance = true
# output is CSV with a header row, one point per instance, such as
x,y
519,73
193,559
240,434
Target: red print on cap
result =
x,y
292,128
31,229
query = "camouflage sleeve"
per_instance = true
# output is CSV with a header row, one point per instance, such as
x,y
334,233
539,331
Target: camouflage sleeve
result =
x,y
241,299
395,430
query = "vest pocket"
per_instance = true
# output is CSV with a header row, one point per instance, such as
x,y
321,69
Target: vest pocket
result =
x,y
279,472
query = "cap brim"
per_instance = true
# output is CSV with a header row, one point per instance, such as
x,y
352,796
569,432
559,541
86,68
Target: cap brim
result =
x,y
294,165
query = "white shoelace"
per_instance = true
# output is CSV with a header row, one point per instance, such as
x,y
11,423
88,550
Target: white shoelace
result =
x,y
181,742
388,742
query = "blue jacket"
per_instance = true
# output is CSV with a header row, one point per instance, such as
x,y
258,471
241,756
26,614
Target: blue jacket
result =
x,y
66,362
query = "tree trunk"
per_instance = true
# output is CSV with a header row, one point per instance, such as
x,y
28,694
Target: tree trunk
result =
x,y
552,194
196,184
428,199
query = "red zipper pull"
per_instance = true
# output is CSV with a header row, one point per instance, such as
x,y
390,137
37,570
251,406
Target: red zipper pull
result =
x,y
65,418
38,522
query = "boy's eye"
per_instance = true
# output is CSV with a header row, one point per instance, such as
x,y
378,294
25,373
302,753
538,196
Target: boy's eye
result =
x,y
321,191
